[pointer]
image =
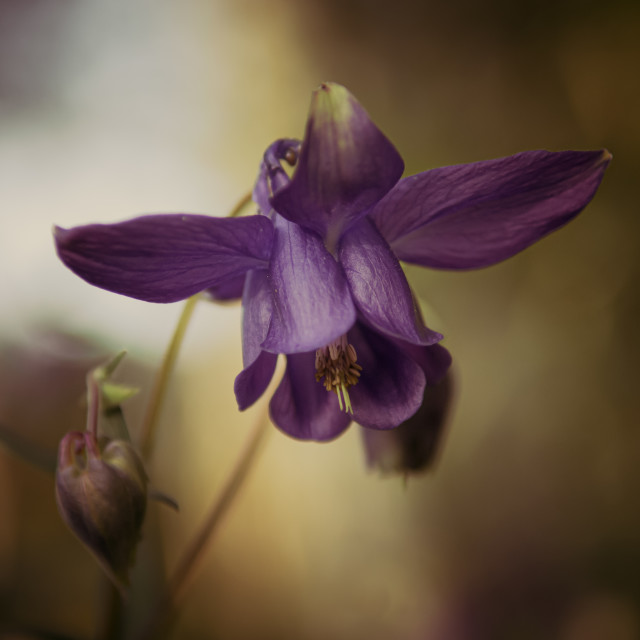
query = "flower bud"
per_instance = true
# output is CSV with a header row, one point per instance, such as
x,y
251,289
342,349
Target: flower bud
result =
x,y
411,447
101,491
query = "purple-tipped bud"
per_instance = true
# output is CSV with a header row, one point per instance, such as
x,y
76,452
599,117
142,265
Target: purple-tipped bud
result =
x,y
101,491
411,447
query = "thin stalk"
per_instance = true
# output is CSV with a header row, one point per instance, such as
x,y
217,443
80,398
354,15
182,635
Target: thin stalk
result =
x,y
241,204
191,559
147,431
112,624
93,405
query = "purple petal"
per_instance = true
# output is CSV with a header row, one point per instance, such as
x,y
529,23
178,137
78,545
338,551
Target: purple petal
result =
x,y
257,307
302,407
312,304
228,290
272,176
412,446
261,193
254,379
434,360
164,258
346,165
259,365
474,215
379,287
391,383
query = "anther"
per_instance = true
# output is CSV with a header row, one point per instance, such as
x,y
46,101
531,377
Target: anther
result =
x,y
337,364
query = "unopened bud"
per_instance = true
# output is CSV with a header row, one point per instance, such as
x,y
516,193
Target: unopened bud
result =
x,y
101,491
411,447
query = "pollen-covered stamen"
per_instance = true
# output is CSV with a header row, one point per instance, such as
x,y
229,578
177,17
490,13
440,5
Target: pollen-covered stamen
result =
x,y
337,364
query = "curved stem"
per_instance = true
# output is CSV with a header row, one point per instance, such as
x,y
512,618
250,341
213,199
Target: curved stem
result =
x,y
241,204
147,431
192,558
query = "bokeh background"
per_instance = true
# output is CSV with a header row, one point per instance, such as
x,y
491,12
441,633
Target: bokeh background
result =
x,y
528,525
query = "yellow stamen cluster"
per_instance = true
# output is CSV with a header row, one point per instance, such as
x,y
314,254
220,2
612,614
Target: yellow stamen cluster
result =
x,y
337,364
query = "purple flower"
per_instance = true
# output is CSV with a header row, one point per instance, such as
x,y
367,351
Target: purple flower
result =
x,y
318,270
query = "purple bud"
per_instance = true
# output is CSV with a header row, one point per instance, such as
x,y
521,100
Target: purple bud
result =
x,y
101,491
411,447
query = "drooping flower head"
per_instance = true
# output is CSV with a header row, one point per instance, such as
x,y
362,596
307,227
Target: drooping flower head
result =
x,y
318,268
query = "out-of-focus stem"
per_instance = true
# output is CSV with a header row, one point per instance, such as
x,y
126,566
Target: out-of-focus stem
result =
x,y
192,558
147,431
112,624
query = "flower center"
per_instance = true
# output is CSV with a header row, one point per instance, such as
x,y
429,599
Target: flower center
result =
x,y
337,364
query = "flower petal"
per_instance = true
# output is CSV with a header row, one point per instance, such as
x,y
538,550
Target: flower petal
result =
x,y
411,447
434,360
272,176
346,165
164,258
259,365
474,215
311,300
228,290
302,407
391,383
379,287
254,379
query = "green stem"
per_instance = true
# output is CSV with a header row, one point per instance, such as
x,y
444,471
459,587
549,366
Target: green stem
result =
x,y
147,431
192,558
93,405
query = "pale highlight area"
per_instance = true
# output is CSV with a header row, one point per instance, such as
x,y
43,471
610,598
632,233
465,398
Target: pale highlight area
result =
x,y
153,111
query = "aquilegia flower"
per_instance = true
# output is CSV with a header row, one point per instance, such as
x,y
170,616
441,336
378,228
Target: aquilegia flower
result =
x,y
318,268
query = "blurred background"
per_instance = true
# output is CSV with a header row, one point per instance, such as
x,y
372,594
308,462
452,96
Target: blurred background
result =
x,y
527,527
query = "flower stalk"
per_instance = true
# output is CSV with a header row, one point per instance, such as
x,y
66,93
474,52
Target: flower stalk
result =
x,y
245,201
148,429
192,558
93,404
